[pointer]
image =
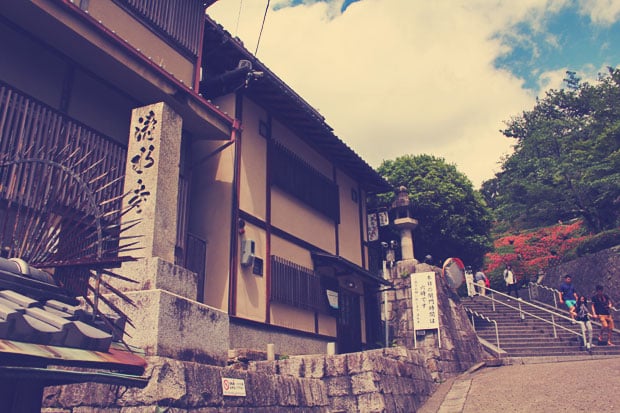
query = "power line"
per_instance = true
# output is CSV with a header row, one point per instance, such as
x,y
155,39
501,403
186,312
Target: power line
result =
x,y
238,18
261,28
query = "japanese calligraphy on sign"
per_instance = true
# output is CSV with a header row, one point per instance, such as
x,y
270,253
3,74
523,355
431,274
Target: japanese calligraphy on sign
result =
x,y
143,159
424,300
373,228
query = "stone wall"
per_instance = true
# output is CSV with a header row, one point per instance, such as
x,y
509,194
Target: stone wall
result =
x,y
244,334
182,387
386,380
601,268
395,379
460,348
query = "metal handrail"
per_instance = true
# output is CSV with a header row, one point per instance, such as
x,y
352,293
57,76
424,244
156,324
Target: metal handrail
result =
x,y
543,287
555,304
482,316
522,312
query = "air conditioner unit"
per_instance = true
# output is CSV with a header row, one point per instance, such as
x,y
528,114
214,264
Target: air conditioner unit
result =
x,y
247,252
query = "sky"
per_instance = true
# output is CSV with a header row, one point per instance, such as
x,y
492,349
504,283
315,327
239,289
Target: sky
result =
x,y
441,77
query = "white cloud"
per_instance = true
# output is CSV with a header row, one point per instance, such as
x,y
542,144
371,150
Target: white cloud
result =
x,y
603,12
396,77
552,79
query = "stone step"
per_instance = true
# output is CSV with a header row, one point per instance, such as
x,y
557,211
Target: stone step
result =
x,y
529,336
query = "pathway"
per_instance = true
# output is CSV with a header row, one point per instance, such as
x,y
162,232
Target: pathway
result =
x,y
576,386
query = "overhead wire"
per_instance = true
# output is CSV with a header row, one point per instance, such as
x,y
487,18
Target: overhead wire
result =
x,y
238,17
261,27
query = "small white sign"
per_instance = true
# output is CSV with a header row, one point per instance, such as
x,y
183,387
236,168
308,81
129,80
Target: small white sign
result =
x,y
384,219
233,387
424,300
332,298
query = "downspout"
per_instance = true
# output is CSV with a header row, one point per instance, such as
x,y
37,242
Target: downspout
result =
x,y
361,208
234,224
236,129
268,226
199,56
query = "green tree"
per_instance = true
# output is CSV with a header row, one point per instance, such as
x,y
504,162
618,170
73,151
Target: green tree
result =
x,y
566,162
453,218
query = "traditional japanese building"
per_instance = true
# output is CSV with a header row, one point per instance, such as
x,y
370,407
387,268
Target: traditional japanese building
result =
x,y
252,212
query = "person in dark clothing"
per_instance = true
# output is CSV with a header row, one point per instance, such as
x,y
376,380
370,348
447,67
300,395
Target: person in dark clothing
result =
x,y
583,318
601,308
568,296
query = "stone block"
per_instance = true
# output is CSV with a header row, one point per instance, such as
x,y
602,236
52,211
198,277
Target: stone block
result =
x,y
267,367
259,389
167,382
91,394
293,366
204,385
406,404
336,365
313,393
338,386
87,409
365,382
288,391
371,403
343,404
360,362
154,273
149,409
172,326
314,366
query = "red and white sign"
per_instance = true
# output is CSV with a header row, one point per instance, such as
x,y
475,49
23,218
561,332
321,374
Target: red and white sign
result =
x,y
233,387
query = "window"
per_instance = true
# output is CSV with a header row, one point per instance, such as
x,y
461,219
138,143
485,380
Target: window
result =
x,y
291,174
297,286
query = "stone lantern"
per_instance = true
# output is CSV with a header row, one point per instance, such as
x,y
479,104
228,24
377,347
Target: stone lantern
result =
x,y
402,211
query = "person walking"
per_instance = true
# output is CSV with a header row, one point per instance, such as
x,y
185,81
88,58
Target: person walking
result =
x,y
601,308
583,318
511,281
481,282
568,296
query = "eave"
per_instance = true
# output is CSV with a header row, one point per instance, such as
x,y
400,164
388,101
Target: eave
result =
x,y
81,38
222,52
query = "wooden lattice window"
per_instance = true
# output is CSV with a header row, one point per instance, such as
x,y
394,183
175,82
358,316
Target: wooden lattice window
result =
x,y
297,286
293,175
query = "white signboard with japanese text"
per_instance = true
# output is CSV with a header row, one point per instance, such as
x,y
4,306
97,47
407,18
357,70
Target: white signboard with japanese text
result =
x,y
233,387
424,301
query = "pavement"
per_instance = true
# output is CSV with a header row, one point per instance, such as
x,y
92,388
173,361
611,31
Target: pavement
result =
x,y
532,385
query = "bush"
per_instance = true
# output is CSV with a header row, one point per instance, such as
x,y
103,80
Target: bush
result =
x,y
598,242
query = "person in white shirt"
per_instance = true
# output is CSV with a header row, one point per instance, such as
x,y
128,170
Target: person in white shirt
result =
x,y
511,281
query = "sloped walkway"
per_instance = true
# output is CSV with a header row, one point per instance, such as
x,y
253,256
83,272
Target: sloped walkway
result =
x,y
576,386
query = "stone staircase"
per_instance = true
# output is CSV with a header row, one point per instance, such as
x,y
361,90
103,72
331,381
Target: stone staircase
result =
x,y
528,336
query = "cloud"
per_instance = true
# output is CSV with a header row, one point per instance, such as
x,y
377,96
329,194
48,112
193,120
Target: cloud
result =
x,y
603,12
397,77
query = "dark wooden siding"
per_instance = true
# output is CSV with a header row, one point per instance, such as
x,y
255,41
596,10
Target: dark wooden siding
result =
x,y
29,128
178,20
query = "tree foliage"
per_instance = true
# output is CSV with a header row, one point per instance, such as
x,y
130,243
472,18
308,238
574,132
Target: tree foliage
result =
x,y
566,162
453,218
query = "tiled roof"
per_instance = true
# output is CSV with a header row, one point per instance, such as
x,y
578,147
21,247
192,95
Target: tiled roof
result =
x,y
51,322
41,323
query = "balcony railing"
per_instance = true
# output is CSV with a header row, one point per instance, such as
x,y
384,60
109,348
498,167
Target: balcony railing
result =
x,y
31,129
